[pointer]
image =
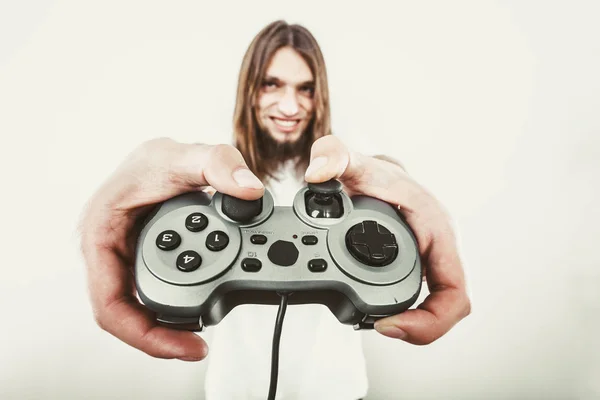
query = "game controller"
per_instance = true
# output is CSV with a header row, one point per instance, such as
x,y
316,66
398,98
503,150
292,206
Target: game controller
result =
x,y
198,256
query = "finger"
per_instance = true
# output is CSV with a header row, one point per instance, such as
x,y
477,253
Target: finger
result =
x,y
430,321
129,321
227,172
118,312
329,159
446,304
162,168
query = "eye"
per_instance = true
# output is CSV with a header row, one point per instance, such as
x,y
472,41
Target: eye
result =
x,y
308,90
269,85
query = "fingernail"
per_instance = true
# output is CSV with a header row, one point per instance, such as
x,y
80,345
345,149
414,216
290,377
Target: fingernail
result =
x,y
246,179
315,165
390,331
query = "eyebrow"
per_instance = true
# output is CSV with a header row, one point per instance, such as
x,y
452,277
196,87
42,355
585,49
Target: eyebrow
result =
x,y
271,78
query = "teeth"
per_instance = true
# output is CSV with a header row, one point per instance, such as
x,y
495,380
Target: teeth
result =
x,y
286,123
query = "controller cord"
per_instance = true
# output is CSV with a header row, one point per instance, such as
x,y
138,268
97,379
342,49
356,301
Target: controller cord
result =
x,y
275,350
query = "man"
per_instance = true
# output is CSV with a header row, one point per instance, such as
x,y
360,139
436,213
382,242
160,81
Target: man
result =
x,y
282,138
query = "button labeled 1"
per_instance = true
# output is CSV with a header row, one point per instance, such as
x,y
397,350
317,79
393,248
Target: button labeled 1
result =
x,y
217,240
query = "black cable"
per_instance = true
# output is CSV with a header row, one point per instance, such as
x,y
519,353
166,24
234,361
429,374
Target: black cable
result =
x,y
275,350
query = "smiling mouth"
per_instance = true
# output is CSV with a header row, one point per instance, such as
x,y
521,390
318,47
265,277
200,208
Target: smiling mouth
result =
x,y
286,124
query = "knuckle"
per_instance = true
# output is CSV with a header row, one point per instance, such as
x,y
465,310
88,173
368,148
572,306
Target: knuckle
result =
x,y
329,141
466,307
103,313
224,153
432,334
427,339
223,150
101,320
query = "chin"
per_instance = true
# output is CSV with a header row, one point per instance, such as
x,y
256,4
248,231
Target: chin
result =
x,y
285,137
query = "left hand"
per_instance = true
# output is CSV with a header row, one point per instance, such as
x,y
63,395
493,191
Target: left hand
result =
x,y
448,301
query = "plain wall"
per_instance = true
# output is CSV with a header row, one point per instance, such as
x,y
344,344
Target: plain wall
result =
x,y
493,106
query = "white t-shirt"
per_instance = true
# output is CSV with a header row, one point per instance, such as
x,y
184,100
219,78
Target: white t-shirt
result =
x,y
319,357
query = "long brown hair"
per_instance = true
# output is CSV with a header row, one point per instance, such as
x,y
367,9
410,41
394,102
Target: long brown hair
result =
x,y
262,159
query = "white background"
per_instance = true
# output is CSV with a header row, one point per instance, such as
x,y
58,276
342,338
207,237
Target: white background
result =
x,y
493,106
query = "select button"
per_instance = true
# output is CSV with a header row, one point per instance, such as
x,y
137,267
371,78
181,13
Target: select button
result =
x,y
251,264
258,239
309,239
317,265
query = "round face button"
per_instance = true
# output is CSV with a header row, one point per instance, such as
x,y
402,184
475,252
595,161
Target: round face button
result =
x,y
217,240
196,222
168,240
188,261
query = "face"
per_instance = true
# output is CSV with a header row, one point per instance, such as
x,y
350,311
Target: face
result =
x,y
285,103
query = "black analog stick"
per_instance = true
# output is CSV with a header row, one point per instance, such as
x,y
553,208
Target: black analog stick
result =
x,y
240,210
332,186
323,199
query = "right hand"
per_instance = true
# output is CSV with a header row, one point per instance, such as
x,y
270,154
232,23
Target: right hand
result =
x,y
154,172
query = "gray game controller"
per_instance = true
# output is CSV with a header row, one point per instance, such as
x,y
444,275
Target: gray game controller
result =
x,y
199,256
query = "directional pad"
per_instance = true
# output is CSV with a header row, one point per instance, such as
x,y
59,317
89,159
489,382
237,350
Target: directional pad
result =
x,y
372,243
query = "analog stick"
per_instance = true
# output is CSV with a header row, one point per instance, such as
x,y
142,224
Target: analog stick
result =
x,y
323,200
240,210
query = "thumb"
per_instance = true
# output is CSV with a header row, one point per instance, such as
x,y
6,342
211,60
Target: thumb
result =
x,y
226,171
329,159
163,168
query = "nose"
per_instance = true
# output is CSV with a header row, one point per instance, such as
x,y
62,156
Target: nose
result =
x,y
288,104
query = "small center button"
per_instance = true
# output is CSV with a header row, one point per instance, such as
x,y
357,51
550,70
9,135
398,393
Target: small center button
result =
x,y
251,264
317,265
309,239
258,239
